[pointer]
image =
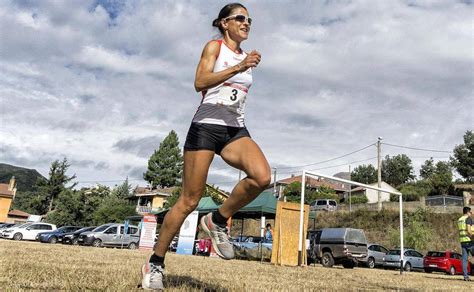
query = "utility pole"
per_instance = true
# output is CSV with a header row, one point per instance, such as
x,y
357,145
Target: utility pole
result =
x,y
350,190
379,175
275,182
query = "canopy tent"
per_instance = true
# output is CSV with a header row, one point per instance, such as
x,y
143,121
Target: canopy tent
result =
x,y
263,205
206,203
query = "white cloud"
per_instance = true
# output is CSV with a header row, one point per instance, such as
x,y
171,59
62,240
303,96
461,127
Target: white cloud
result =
x,y
76,78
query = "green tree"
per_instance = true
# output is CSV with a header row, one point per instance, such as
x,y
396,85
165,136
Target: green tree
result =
x,y
412,191
366,174
439,176
56,183
427,169
165,164
93,198
293,193
33,202
69,209
442,178
113,209
397,170
124,190
463,160
171,200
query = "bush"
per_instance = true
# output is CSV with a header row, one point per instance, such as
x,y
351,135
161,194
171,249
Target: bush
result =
x,y
413,191
417,233
113,210
359,199
293,193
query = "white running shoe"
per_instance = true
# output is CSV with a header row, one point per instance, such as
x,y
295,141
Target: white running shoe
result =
x,y
152,277
219,237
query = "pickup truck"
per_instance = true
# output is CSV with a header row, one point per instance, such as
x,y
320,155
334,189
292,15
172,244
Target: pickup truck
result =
x,y
334,246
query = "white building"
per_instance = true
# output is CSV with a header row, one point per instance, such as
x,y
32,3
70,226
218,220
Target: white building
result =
x,y
372,195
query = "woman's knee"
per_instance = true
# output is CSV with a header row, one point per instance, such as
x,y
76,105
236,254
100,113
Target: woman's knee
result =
x,y
188,203
262,179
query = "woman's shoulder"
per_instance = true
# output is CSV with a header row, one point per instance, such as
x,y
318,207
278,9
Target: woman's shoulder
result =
x,y
213,47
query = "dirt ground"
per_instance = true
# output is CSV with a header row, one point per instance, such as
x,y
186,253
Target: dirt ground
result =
x,y
33,265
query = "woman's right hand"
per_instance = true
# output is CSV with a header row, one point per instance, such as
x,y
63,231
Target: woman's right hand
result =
x,y
251,61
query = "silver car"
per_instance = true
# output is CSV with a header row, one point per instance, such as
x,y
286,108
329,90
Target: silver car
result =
x,y
413,260
323,205
375,255
111,234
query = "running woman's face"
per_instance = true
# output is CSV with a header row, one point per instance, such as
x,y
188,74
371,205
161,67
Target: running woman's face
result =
x,y
237,26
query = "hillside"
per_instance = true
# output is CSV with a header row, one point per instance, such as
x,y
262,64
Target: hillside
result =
x,y
25,178
382,228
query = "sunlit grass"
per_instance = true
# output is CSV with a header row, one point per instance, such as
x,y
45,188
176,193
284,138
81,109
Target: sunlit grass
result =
x,y
32,265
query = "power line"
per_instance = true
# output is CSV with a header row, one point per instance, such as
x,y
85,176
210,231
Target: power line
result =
x,y
418,149
345,164
332,159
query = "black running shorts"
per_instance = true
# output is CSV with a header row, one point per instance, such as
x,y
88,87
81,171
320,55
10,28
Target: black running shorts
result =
x,y
212,137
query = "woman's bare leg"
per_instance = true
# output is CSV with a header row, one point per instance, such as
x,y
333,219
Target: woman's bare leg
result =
x,y
196,167
244,154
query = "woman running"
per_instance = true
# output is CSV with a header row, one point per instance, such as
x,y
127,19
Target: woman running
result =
x,y
223,76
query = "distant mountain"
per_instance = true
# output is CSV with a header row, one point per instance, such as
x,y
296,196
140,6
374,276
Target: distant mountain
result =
x,y
25,178
343,175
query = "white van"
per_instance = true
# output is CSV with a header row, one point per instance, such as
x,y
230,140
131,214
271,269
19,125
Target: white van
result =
x,y
324,205
28,231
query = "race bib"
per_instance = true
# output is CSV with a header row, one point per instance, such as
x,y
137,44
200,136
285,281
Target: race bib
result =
x,y
232,95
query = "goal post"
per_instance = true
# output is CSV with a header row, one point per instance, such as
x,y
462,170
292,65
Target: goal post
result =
x,y
318,175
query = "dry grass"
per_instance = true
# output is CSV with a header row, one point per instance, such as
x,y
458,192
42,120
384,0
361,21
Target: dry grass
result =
x,y
32,265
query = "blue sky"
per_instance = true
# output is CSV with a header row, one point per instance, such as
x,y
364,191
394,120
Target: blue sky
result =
x,y
103,82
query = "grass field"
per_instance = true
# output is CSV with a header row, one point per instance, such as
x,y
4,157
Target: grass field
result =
x,y
32,265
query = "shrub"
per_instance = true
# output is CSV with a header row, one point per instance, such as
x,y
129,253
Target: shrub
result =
x,y
417,233
359,199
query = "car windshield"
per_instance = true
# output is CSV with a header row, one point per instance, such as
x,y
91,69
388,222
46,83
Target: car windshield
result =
x,y
101,228
23,225
436,254
394,252
84,229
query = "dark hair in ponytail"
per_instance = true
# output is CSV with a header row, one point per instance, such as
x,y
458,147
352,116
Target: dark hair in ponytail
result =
x,y
225,11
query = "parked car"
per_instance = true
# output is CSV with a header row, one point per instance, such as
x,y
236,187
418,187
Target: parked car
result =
x,y
72,237
323,205
111,234
375,255
3,233
448,262
5,226
56,235
333,246
413,260
28,231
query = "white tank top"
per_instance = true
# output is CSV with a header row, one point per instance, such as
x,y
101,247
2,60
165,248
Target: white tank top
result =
x,y
224,104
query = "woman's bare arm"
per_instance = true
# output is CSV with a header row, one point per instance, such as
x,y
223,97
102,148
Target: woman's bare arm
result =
x,y
206,78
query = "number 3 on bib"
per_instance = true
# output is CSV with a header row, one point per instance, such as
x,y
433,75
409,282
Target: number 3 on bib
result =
x,y
232,94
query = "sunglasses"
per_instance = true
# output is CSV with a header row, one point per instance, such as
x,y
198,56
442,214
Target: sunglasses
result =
x,y
240,18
